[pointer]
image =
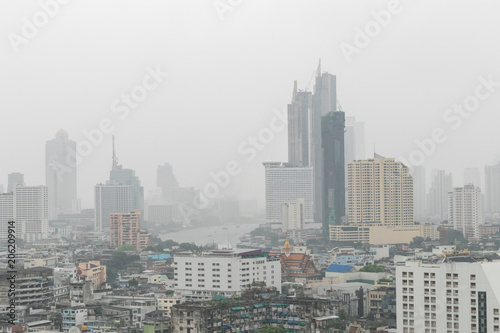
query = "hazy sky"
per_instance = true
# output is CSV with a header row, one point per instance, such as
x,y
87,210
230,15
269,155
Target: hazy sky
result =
x,y
230,63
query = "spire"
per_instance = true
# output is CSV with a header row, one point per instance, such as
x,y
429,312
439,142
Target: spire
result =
x,y
115,165
287,249
318,71
294,91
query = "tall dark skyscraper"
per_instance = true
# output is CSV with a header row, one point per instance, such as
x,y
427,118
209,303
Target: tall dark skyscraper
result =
x,y
324,101
299,138
332,139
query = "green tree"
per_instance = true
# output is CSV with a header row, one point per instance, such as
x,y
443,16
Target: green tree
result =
x,y
126,247
133,283
272,329
372,269
416,242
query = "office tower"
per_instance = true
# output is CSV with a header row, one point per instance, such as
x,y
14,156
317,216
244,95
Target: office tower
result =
x,y
125,228
292,215
299,140
419,192
166,180
225,273
492,189
472,176
466,210
127,177
14,178
285,183
459,295
31,211
438,196
380,192
2,190
332,140
324,101
60,175
111,198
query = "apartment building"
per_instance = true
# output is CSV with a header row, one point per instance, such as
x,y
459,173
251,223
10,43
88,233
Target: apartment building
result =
x,y
459,295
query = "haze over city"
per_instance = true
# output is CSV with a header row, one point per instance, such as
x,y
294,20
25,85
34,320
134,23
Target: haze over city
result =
x,y
230,71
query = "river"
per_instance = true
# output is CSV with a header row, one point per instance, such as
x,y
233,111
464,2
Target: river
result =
x,y
223,234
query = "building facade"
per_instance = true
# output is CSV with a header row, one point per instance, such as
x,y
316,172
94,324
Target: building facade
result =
x,y
285,183
380,192
292,215
492,190
451,297
466,210
111,198
224,273
125,228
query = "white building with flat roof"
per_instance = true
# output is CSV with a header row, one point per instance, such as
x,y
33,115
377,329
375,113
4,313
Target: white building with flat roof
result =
x,y
460,295
285,183
224,272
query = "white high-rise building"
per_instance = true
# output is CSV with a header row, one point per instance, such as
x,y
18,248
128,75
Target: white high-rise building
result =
x,y
292,214
111,198
287,184
457,296
224,272
354,140
31,211
466,210
60,175
438,196
419,192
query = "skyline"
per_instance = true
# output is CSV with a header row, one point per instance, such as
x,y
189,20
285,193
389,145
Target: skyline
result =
x,y
400,85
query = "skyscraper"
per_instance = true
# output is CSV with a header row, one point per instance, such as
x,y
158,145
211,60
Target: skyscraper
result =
x,y
285,183
122,176
324,101
299,138
60,175
111,198
466,210
166,180
14,178
332,140
380,192
492,189
419,192
438,197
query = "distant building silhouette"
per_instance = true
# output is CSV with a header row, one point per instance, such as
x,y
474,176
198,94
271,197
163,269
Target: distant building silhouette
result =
x,y
492,189
166,180
438,197
13,179
60,175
